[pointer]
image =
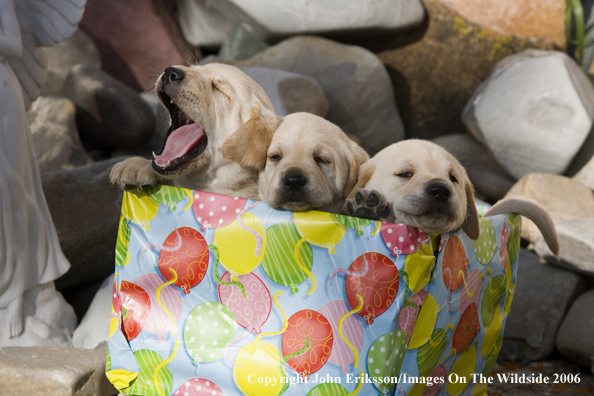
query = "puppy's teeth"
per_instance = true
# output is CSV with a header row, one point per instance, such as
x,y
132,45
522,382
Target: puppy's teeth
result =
x,y
154,155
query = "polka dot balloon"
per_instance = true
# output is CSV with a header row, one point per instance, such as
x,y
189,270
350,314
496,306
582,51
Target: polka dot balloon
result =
x,y
198,387
215,211
385,357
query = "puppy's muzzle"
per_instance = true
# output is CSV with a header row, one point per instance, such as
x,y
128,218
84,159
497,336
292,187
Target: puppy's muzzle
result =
x,y
172,75
294,181
438,191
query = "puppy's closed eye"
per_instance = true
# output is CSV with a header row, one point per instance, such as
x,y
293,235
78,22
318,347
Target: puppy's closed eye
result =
x,y
322,160
453,178
275,157
404,175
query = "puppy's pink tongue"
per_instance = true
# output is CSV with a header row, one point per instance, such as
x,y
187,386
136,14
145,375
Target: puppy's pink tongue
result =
x,y
178,143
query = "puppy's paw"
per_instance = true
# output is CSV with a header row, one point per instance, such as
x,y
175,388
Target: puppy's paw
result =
x,y
133,173
369,205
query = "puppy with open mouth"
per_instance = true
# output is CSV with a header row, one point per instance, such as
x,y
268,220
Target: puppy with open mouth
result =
x,y
418,183
207,105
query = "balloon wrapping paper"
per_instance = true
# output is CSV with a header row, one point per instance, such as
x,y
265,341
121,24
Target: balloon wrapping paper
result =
x,y
216,295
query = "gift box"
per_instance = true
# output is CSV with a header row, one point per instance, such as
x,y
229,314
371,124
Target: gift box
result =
x,y
219,295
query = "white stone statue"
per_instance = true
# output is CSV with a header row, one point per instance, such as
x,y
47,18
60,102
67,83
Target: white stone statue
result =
x,y
32,312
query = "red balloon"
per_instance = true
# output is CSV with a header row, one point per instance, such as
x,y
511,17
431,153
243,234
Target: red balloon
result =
x,y
377,283
316,328
188,257
467,328
454,263
214,210
136,306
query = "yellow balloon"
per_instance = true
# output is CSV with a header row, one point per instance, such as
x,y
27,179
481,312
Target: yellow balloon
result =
x,y
510,297
259,360
114,323
320,228
425,323
418,266
139,208
492,333
241,251
463,368
417,390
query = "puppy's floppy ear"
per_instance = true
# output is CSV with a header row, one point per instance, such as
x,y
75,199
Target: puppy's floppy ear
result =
x,y
249,144
356,157
365,172
471,224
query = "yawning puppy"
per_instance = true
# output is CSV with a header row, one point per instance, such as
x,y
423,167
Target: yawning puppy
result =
x,y
309,164
418,183
207,104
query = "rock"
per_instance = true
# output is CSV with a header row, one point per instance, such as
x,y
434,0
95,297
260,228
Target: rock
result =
x,y
136,40
582,166
489,178
564,199
290,92
534,112
241,44
355,82
202,24
86,212
52,371
77,49
523,18
434,76
273,20
576,245
94,328
56,140
574,338
542,296
109,115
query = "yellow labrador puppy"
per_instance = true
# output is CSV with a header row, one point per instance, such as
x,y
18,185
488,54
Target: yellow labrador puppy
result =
x,y
419,183
207,105
310,163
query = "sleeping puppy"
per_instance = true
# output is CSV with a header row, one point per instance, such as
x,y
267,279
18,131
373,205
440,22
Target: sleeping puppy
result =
x,y
207,105
309,164
418,183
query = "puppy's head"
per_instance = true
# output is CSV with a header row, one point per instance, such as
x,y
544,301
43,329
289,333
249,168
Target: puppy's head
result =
x,y
309,164
427,187
207,104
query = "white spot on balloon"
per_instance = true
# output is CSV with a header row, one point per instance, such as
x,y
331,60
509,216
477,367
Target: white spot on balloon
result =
x,y
201,206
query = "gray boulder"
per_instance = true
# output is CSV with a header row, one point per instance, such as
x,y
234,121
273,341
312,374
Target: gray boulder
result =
x,y
93,330
542,296
574,338
241,44
202,24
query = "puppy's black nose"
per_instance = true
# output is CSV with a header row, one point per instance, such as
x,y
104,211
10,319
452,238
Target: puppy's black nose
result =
x,y
440,192
172,75
294,181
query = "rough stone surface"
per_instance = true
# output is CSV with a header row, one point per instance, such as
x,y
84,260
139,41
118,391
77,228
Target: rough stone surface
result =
x,y
202,24
542,296
109,115
241,44
77,49
94,328
574,338
434,76
52,371
355,82
56,140
524,18
489,178
534,112
576,245
290,92
564,199
273,19
86,211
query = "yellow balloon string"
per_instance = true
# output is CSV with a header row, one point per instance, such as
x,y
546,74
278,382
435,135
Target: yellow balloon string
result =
x,y
468,292
378,226
358,389
158,293
303,267
190,200
285,322
341,323
435,343
160,366
453,351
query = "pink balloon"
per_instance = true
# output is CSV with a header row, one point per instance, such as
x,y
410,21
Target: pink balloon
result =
x,y
159,322
253,311
433,389
215,211
402,239
474,283
407,317
198,387
503,247
352,329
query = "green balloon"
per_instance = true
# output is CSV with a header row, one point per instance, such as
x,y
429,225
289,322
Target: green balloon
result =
x,y
279,261
328,389
121,252
144,384
485,246
208,329
427,355
385,358
513,242
167,195
492,357
108,361
354,222
492,295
